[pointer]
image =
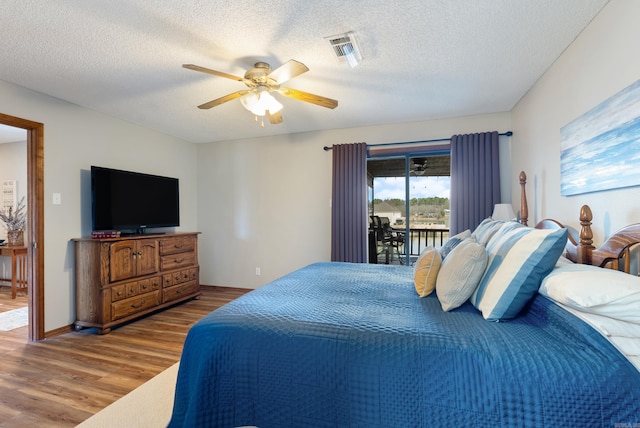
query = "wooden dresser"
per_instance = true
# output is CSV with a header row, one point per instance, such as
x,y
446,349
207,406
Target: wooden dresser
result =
x,y
120,279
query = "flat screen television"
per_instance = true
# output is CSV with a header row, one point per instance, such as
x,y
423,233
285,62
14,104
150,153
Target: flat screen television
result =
x,y
131,201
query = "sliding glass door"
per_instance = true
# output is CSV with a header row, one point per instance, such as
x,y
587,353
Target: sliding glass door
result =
x,y
428,196
387,209
409,194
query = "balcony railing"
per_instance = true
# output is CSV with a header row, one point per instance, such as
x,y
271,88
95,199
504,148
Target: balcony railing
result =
x,y
420,238
417,241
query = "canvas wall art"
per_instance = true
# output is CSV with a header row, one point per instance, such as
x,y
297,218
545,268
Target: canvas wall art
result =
x,y
600,150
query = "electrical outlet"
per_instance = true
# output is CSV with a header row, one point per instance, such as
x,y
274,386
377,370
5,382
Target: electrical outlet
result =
x,y
257,271
57,199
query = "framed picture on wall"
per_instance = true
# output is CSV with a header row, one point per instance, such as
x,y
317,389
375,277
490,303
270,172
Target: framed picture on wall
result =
x,y
8,195
599,150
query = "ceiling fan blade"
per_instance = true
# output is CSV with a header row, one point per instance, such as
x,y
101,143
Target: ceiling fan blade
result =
x,y
309,98
224,99
275,118
287,71
214,72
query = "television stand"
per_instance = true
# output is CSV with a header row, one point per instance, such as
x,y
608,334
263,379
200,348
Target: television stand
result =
x,y
122,279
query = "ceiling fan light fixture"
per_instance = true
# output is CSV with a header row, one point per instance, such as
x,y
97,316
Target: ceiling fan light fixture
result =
x,y
259,102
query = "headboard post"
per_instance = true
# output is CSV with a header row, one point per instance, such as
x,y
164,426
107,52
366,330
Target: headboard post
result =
x,y
585,246
524,208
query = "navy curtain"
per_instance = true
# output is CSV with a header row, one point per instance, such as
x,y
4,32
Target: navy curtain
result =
x,y
349,221
475,179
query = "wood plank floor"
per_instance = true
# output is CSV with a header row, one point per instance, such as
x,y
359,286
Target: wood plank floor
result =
x,y
63,380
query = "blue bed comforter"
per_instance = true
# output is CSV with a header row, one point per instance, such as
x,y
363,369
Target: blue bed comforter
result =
x,y
352,345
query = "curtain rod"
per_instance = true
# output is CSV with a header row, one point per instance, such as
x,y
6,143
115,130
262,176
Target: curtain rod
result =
x,y
327,148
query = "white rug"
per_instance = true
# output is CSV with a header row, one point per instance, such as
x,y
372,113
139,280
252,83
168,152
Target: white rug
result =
x,y
14,319
147,406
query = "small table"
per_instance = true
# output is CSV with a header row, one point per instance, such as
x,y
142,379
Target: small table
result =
x,y
18,278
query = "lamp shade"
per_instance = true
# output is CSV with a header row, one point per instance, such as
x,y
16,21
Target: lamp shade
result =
x,y
259,102
503,212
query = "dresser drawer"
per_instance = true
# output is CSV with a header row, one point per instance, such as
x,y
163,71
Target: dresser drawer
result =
x,y
150,284
118,292
135,304
167,280
131,288
180,244
177,261
178,291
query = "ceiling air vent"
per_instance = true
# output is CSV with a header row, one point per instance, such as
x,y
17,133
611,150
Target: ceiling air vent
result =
x,y
345,48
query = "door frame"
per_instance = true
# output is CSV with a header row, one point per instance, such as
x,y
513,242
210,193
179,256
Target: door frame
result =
x,y
35,221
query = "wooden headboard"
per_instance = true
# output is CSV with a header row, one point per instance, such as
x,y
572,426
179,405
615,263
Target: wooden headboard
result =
x,y
614,253
524,207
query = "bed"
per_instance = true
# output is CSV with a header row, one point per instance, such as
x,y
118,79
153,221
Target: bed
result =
x,y
354,345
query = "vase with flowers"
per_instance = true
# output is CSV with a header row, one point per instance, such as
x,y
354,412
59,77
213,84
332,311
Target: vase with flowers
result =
x,y
15,221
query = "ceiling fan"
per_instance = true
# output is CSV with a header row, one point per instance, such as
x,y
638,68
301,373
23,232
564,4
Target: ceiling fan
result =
x,y
261,81
418,166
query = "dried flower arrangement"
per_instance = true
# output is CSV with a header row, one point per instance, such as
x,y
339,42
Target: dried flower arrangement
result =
x,y
15,220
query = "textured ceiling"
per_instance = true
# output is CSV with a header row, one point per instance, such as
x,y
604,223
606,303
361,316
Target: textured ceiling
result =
x,y
423,59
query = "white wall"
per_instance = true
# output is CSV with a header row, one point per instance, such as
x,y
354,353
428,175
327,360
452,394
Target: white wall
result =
x,y
74,139
266,202
602,61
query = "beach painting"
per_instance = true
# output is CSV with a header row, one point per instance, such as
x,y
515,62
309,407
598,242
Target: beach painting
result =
x,y
600,150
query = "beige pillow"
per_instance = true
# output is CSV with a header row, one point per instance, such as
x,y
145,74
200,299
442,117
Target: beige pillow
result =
x,y
425,271
460,273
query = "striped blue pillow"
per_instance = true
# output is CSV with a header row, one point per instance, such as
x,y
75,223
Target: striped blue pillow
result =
x,y
453,242
519,259
487,227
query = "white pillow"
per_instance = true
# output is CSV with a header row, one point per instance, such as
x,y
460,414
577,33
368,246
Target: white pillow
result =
x,y
563,261
460,273
595,290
